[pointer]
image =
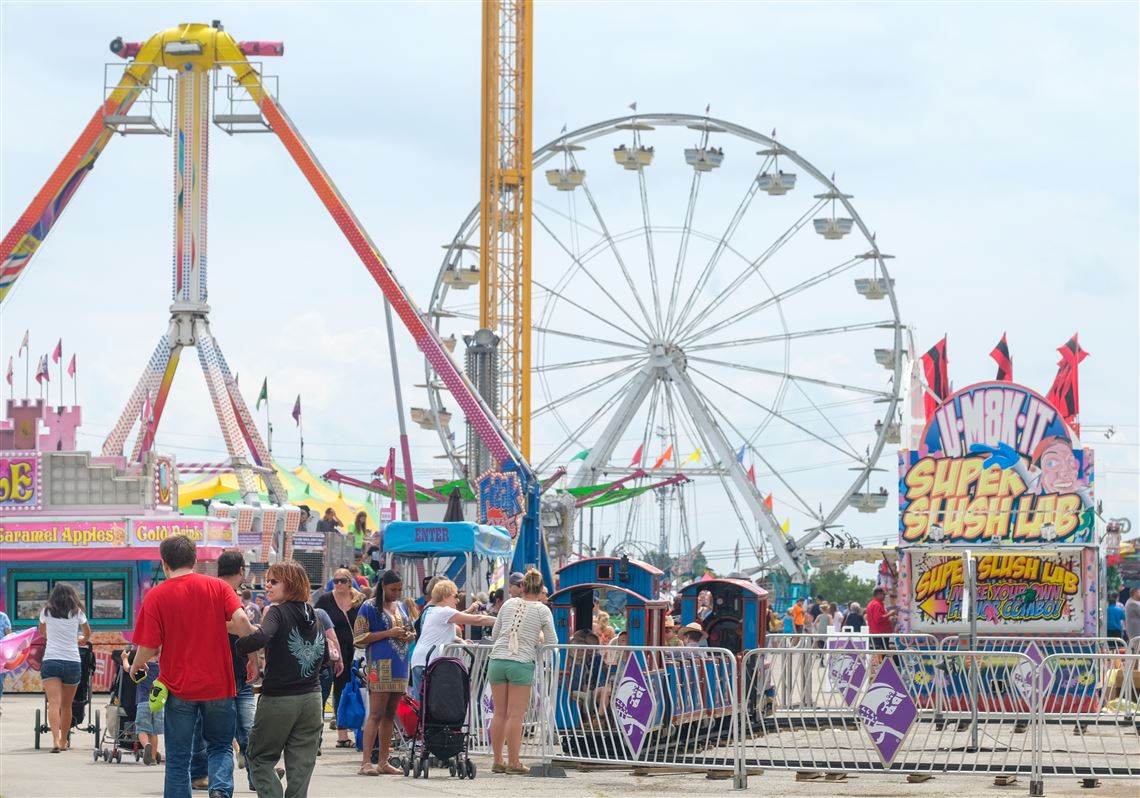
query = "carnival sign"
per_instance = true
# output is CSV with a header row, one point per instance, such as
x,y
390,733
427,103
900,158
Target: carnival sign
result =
x,y
500,500
19,482
633,706
887,712
996,464
1015,592
846,668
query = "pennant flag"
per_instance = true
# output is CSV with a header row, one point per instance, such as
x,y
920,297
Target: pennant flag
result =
x,y
1065,392
784,527
695,457
632,106
736,557
9,376
71,367
1003,360
264,395
24,343
752,473
147,419
42,370
663,459
934,367
390,468
768,502
58,352
582,455
740,454
297,410
637,456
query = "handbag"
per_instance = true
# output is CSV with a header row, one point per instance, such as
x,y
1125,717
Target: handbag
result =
x,y
350,712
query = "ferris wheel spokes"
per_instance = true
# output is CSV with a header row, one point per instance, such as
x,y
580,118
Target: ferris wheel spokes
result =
x,y
791,336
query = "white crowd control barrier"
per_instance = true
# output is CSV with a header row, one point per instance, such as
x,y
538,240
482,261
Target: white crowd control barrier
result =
x,y
664,706
1088,717
481,710
835,703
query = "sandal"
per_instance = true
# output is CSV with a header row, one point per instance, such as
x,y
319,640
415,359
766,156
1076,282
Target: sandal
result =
x,y
517,771
388,770
498,767
367,770
345,744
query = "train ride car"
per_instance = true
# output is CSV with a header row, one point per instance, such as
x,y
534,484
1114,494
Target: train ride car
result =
x,y
690,688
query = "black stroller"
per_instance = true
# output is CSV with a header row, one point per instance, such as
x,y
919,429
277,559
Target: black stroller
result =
x,y
120,733
80,704
442,728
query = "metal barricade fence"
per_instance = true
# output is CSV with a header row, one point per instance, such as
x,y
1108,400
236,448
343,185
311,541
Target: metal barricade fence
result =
x,y
1045,645
851,709
1088,718
654,706
481,709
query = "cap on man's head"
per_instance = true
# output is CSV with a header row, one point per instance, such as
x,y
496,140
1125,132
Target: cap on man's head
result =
x,y
516,578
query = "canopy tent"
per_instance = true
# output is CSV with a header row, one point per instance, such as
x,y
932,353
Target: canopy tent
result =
x,y
301,485
446,539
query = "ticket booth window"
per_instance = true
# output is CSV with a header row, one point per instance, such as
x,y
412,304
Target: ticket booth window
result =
x,y
105,595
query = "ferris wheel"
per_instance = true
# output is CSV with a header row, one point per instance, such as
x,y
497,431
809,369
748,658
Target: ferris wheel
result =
x,y
706,302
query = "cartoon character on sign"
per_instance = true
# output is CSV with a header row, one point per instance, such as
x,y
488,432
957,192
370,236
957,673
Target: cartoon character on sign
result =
x,y
630,712
876,710
847,672
1053,468
163,482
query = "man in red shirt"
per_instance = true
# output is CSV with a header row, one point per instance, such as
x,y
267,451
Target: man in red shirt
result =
x,y
879,622
186,618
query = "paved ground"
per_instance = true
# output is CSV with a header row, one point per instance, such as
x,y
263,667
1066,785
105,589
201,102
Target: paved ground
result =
x,y
28,773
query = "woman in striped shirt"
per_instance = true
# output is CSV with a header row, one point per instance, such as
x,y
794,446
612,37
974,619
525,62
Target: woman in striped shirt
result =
x,y
511,669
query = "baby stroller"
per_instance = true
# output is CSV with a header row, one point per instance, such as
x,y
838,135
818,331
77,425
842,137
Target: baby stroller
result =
x,y
80,704
120,733
441,727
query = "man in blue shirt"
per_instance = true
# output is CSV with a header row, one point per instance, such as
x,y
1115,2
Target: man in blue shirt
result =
x,y
1115,616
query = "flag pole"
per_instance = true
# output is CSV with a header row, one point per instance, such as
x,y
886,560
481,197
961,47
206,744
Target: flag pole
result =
x,y
60,361
75,387
27,367
405,450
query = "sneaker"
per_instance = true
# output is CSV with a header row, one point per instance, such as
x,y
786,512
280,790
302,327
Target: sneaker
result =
x,y
280,772
218,794
240,760
200,784
148,754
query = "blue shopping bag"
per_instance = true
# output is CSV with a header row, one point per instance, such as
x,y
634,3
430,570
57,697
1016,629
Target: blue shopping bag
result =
x,y
350,712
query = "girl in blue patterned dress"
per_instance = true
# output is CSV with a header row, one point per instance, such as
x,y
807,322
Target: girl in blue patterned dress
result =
x,y
384,630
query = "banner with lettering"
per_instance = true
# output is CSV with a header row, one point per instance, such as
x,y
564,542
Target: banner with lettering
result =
x,y
996,464
77,533
19,482
1044,592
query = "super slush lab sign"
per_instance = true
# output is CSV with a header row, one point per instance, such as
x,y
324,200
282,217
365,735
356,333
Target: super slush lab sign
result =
x,y
996,461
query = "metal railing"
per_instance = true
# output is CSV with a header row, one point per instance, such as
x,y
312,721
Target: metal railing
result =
x,y
1064,708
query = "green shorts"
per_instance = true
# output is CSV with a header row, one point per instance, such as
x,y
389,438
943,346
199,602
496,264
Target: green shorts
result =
x,y
507,671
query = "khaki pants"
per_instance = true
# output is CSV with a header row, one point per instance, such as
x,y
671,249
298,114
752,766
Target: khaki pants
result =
x,y
290,724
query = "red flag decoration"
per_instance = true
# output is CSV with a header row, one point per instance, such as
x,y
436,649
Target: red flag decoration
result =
x,y
637,456
71,367
42,370
57,353
1000,354
934,368
9,376
752,473
663,459
297,410
768,502
1065,392
390,468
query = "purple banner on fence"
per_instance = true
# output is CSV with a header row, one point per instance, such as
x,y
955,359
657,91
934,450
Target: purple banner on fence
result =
x,y
633,705
887,712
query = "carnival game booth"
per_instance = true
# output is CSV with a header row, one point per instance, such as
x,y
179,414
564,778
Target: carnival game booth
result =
x,y
997,542
466,545
96,523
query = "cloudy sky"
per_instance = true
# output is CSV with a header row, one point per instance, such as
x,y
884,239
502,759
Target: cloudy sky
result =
x,y
992,147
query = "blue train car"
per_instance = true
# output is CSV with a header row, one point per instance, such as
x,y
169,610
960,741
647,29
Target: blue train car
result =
x,y
738,617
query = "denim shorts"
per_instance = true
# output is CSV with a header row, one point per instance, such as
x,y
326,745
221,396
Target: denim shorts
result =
x,y
66,671
147,722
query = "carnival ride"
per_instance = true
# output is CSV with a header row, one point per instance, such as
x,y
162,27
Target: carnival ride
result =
x,y
198,55
731,330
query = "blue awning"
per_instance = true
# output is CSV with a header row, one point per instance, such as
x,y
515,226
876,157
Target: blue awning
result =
x,y
446,538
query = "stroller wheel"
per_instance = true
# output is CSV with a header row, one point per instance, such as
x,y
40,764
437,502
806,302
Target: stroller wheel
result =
x,y
407,766
452,769
138,754
38,730
470,767
157,758
118,756
97,754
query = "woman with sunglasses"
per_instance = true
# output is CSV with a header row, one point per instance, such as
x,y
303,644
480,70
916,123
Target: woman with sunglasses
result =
x,y
288,718
342,605
384,631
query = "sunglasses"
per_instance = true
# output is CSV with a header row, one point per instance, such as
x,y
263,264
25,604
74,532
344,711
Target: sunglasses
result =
x,y
272,582
340,580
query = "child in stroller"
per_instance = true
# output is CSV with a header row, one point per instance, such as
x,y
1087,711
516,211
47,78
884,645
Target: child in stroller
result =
x,y
148,723
441,720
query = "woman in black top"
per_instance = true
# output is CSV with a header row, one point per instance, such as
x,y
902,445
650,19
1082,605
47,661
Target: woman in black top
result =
x,y
342,605
289,714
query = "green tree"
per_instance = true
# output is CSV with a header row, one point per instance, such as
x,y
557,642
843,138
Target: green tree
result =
x,y
841,587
